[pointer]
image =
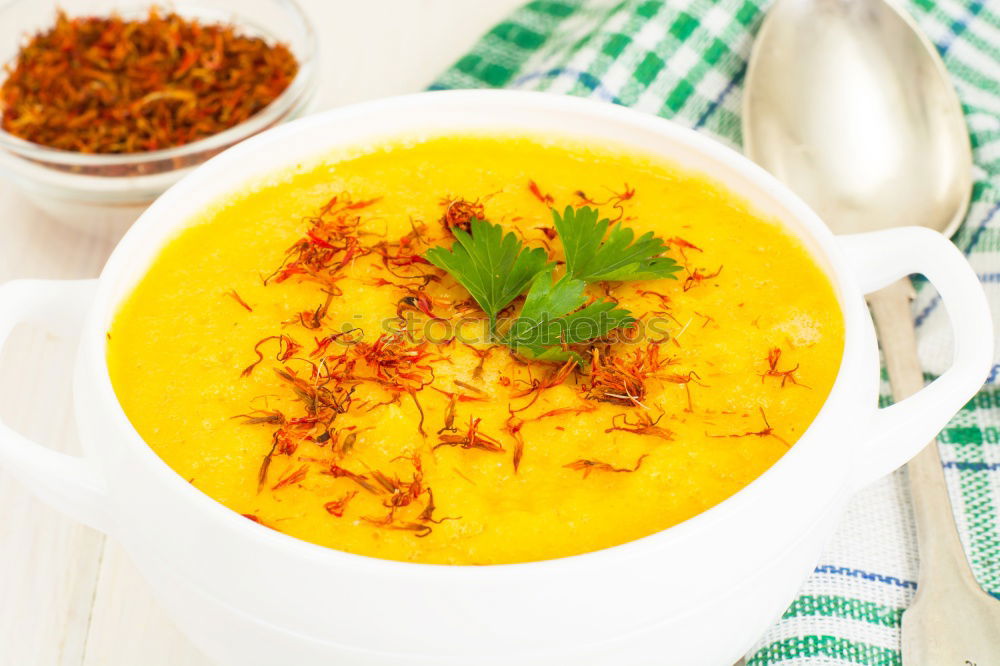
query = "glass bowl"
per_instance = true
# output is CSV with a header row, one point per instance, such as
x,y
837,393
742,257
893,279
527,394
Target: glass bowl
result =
x,y
107,192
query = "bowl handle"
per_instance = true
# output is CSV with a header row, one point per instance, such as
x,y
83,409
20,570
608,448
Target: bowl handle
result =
x,y
69,483
900,431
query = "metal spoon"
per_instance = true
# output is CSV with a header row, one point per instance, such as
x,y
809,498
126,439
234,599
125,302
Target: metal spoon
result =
x,y
848,104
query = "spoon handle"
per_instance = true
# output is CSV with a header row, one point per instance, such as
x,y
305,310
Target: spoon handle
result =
x,y
942,557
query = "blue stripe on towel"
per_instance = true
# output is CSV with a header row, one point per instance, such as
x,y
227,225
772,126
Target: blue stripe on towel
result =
x,y
971,466
866,575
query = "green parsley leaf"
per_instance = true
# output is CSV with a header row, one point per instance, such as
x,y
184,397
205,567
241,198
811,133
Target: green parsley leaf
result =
x,y
551,318
495,267
592,258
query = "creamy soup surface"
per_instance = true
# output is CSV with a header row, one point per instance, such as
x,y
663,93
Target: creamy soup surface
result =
x,y
292,356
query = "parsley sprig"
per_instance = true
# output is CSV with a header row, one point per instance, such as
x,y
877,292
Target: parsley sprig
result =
x,y
593,258
496,268
551,319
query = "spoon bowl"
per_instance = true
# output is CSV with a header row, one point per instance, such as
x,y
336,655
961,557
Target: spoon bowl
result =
x,y
845,106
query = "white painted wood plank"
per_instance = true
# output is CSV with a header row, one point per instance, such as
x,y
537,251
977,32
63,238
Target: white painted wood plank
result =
x,y
48,564
377,48
127,626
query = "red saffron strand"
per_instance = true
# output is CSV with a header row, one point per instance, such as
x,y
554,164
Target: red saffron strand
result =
x,y
293,477
766,431
697,276
459,213
536,191
236,297
336,508
773,359
471,439
643,425
588,466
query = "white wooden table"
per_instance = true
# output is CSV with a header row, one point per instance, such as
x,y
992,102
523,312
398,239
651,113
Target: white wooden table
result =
x,y
68,596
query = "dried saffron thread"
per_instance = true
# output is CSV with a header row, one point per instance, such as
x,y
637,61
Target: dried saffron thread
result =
x,y
472,439
616,200
766,431
287,348
644,424
402,494
427,515
313,319
328,246
685,381
514,424
513,427
773,359
405,254
260,416
253,518
461,397
420,530
337,472
622,380
398,369
698,276
470,387
459,213
291,478
266,463
709,319
337,507
536,192
550,233
236,297
482,355
345,446
588,466
537,386
420,410
322,344
94,84
564,411
682,244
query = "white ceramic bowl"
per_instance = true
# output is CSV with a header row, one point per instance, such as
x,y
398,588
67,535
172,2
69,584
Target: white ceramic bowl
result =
x,y
697,593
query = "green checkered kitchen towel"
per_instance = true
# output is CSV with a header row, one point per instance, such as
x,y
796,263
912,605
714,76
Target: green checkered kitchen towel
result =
x,y
685,60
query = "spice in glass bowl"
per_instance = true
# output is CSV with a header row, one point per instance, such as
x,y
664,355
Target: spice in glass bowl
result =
x,y
114,85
